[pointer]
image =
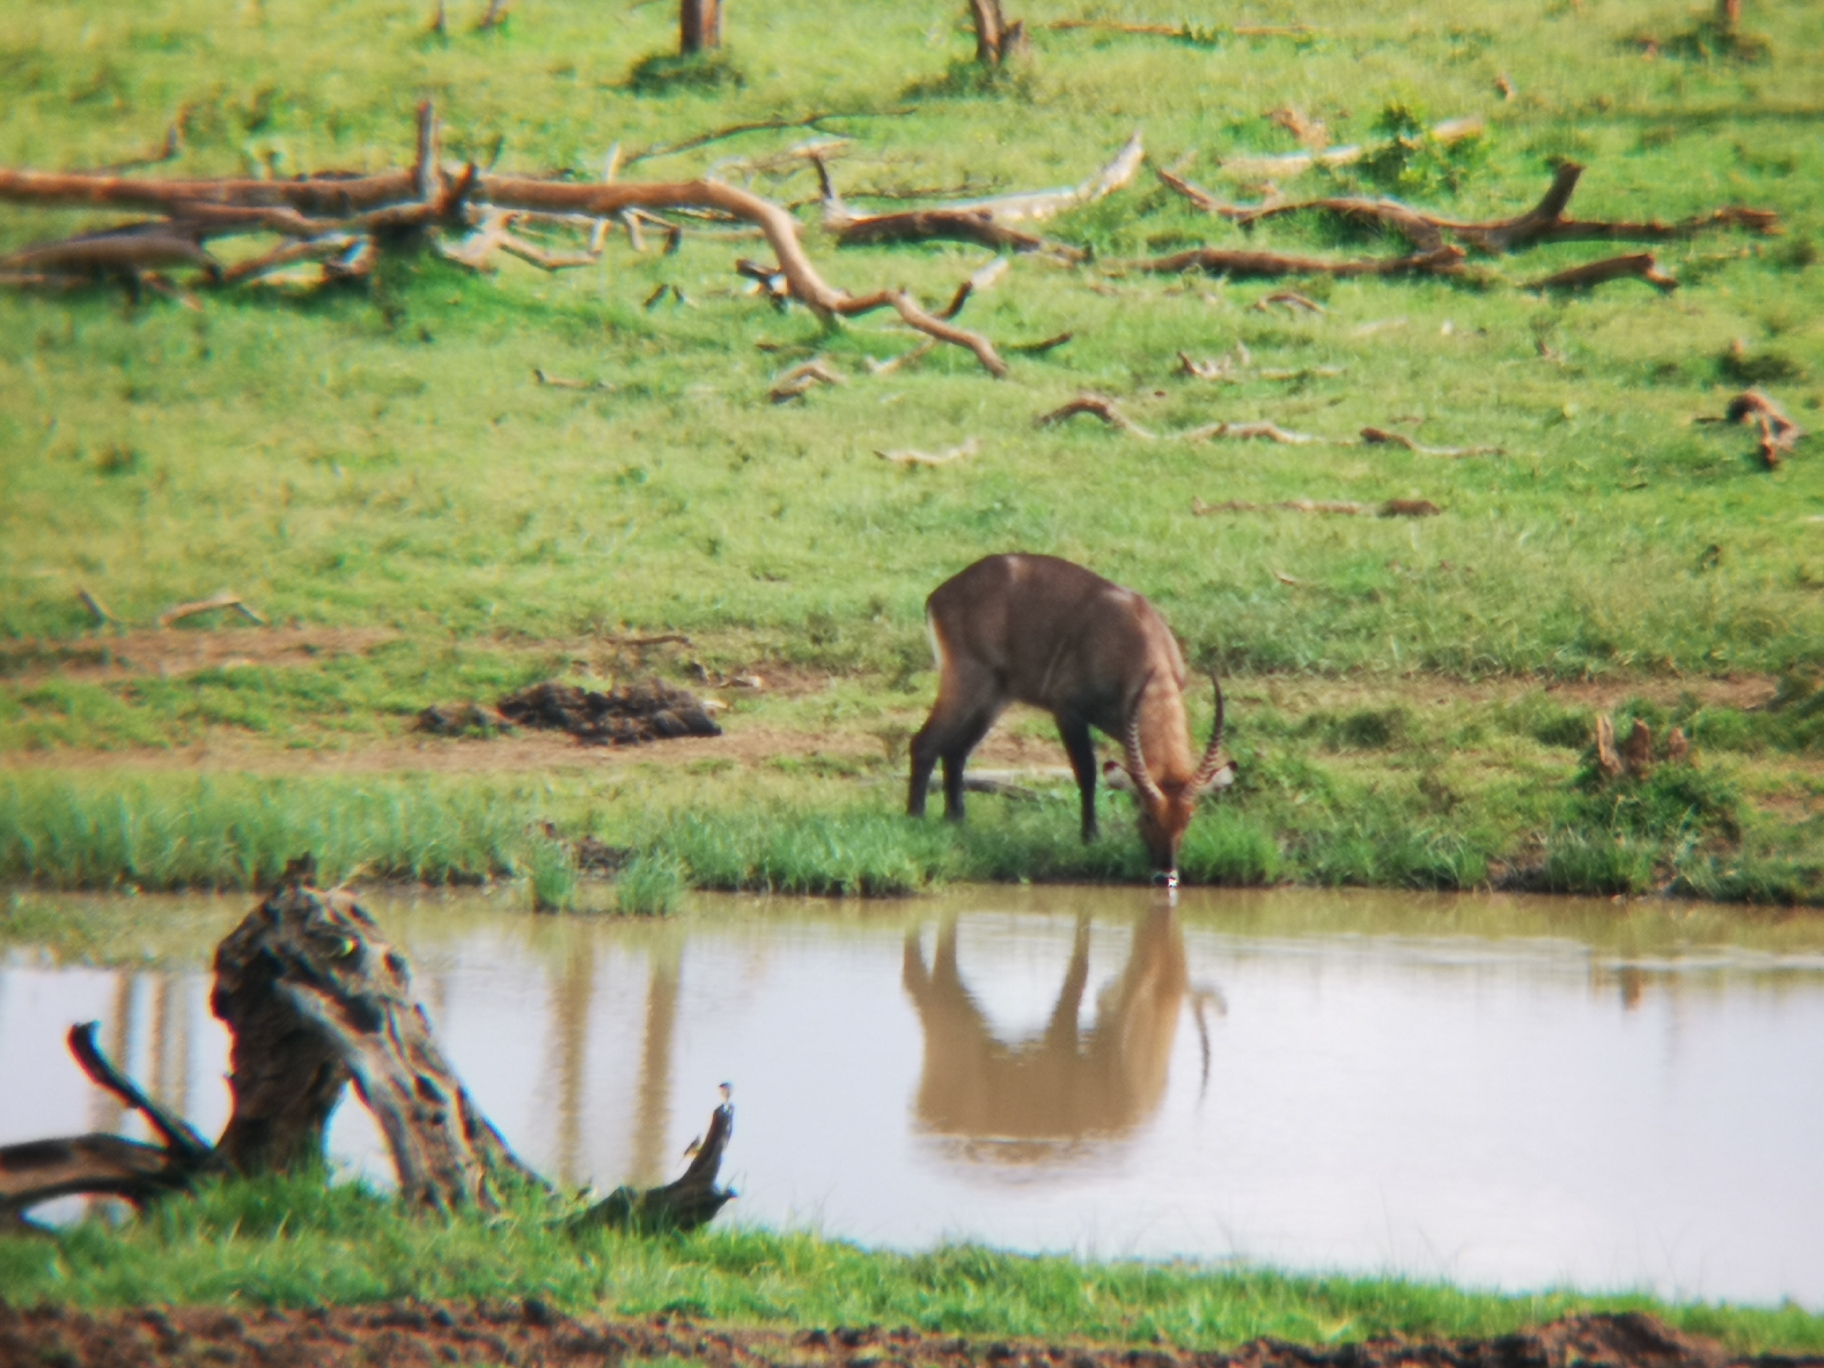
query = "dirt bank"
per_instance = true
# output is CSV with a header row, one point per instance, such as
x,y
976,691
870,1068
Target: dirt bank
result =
x,y
530,1333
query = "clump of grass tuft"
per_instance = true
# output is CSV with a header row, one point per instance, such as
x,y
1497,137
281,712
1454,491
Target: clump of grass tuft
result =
x,y
650,886
662,73
551,874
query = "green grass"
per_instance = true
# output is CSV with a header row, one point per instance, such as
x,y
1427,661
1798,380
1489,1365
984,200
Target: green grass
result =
x,y
380,458
1410,819
431,485
297,1243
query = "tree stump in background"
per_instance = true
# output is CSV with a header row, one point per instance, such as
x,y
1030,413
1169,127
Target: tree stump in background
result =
x,y
315,1000
699,26
995,39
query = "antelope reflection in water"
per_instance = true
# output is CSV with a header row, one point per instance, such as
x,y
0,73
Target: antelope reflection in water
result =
x,y
1066,1083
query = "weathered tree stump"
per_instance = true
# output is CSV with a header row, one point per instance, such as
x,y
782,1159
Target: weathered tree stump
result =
x,y
699,26
316,1000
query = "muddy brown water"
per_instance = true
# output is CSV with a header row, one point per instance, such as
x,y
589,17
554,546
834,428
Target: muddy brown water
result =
x,y
1504,1092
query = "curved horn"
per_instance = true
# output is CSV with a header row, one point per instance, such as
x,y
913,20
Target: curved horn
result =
x,y
1212,753
1136,762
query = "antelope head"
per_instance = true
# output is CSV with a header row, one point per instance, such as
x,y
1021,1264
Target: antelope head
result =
x,y
1167,805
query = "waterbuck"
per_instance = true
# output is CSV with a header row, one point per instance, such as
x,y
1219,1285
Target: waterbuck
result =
x,y
1040,630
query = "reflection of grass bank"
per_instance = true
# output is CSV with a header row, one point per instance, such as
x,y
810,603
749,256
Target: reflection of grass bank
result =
x,y
1291,820
295,1243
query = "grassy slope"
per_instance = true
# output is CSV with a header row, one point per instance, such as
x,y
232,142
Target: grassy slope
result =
x,y
384,459
295,1243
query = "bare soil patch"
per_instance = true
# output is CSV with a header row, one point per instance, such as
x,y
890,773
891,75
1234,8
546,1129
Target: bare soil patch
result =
x,y
178,651
531,1333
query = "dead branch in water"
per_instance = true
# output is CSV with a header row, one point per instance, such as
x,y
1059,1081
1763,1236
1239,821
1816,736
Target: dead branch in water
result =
x,y
314,999
1637,266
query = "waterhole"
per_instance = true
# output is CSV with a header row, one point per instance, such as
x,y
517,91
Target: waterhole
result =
x,y
1503,1092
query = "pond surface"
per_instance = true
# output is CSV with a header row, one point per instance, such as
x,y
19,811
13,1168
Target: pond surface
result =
x,y
1503,1092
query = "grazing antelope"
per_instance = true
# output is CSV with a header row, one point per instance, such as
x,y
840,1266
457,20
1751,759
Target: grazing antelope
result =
x,y
1040,630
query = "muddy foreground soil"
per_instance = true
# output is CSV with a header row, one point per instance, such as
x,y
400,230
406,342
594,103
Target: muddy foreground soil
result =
x,y
529,1333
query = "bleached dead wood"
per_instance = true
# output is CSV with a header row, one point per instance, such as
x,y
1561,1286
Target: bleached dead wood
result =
x,y
801,379
1265,431
933,458
563,382
1543,223
1779,436
223,600
1295,163
1037,205
1374,436
904,359
387,205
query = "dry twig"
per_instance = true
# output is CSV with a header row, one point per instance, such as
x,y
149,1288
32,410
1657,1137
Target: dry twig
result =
x,y
1637,265
937,458
225,599
1779,435
1096,406
1374,436
801,379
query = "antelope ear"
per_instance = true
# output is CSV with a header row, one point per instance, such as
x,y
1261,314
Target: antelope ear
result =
x,y
1116,777
1219,780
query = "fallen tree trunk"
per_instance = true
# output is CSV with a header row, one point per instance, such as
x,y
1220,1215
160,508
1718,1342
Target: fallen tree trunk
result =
x,y
315,1000
1543,223
1637,266
1243,265
401,202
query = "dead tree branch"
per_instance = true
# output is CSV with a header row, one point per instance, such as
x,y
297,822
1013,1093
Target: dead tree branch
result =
x,y
800,380
691,1201
996,39
1638,266
1373,436
936,458
1389,508
1779,436
1243,265
315,999
1096,406
225,599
